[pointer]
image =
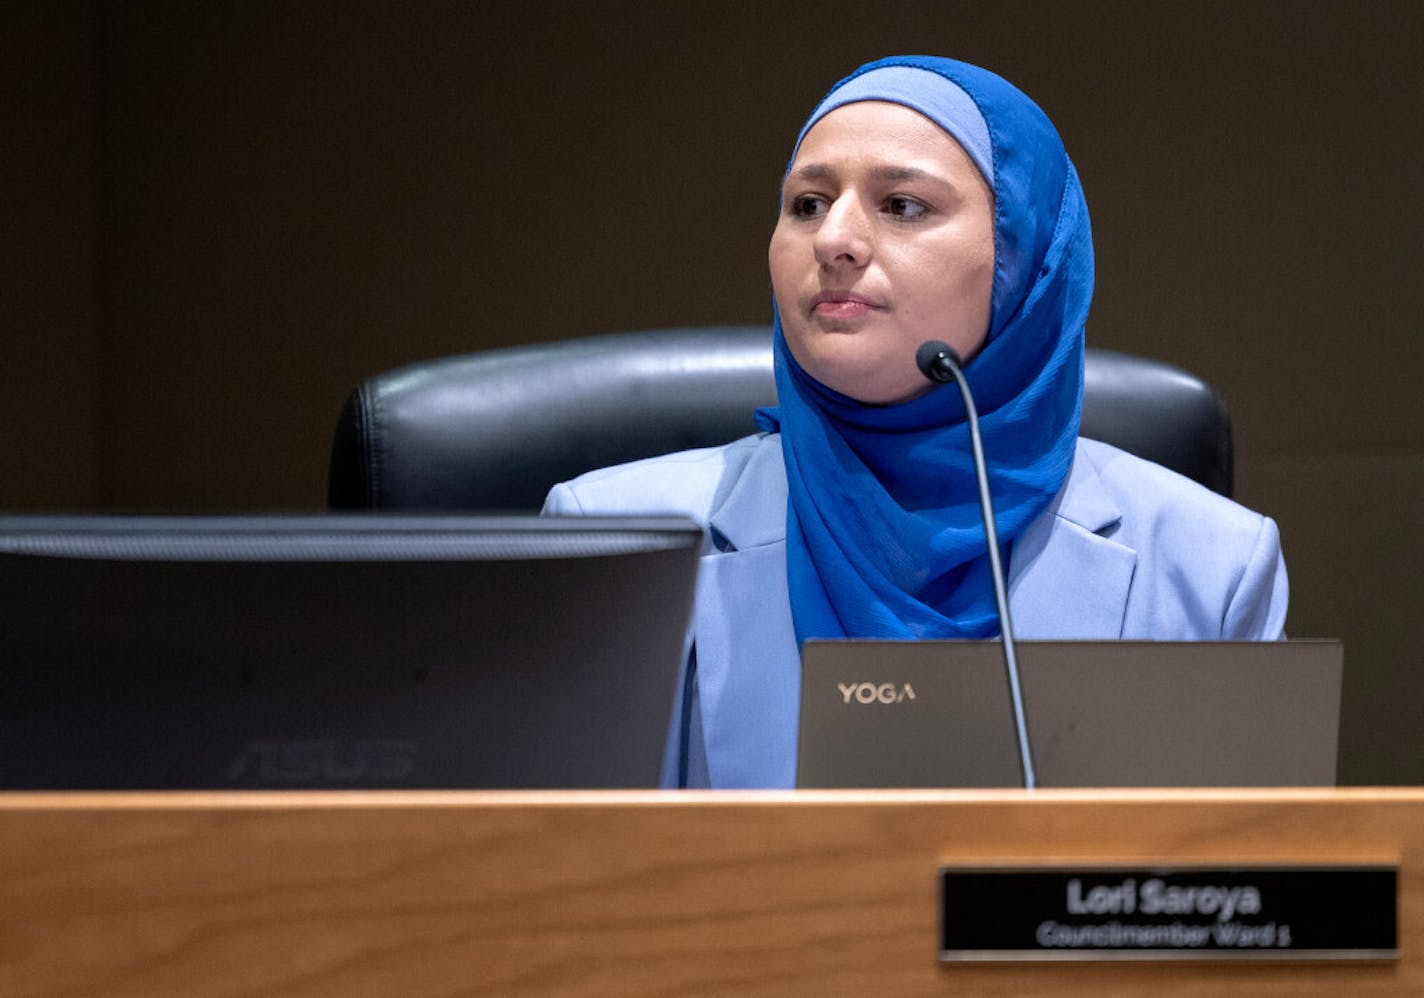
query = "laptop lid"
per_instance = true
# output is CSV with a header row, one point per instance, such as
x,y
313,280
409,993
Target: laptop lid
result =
x,y
351,651
1099,713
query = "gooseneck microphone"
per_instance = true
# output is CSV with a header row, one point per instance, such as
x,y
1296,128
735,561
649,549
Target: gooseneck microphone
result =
x,y
940,363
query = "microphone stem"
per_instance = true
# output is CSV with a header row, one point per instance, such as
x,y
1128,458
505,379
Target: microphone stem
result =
x,y
991,537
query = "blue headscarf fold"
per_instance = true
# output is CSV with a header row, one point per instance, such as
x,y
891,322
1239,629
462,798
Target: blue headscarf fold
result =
x,y
884,537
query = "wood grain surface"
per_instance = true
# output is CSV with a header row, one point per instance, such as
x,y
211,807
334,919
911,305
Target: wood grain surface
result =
x,y
818,893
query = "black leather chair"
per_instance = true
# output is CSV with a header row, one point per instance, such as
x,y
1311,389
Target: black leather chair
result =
x,y
494,430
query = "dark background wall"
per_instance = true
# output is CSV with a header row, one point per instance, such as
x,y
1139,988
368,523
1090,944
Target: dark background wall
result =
x,y
218,217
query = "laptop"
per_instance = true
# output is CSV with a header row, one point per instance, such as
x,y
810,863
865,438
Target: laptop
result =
x,y
1099,713
339,651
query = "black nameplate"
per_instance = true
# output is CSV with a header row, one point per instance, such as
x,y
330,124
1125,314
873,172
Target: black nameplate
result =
x,y
1178,913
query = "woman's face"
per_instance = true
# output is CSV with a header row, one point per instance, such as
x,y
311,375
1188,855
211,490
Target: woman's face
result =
x,y
885,240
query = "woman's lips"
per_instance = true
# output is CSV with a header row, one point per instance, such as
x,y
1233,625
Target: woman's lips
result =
x,y
842,305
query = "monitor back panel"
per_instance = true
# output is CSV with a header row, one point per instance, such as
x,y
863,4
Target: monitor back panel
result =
x,y
336,674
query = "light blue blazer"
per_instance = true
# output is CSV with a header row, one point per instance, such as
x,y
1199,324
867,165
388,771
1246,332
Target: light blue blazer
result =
x,y
1127,549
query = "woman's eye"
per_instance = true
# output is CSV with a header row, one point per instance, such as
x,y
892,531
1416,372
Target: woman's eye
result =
x,y
808,206
905,207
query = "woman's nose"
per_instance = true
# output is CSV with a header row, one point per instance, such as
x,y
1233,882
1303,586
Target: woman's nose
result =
x,y
843,237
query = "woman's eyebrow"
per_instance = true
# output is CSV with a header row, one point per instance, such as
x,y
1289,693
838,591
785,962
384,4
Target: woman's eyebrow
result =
x,y
811,171
899,173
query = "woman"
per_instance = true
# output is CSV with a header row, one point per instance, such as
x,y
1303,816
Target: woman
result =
x,y
926,199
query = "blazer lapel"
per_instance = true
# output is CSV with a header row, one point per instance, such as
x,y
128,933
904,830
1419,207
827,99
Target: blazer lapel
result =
x,y
1067,579
750,711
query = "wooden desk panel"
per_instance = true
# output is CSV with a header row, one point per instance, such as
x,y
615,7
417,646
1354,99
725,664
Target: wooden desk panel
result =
x,y
823,893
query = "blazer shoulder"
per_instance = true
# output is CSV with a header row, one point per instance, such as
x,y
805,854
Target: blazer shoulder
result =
x,y
1198,552
687,483
1154,499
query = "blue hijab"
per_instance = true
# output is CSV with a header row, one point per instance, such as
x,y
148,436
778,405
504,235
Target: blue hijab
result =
x,y
884,537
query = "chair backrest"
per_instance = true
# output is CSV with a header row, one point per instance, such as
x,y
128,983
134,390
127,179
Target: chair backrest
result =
x,y
495,430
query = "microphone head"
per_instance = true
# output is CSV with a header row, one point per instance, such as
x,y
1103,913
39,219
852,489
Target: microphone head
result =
x,y
938,360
